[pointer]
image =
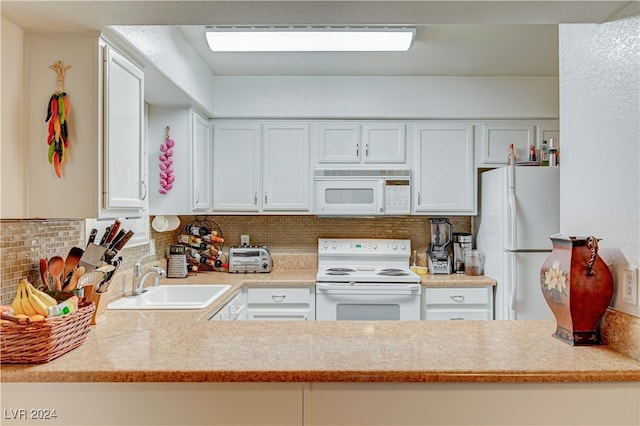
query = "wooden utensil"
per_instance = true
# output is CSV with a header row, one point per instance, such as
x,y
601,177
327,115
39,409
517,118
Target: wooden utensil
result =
x,y
56,268
75,276
72,260
43,273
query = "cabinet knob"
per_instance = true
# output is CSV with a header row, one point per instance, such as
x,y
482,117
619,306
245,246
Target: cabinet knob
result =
x,y
255,198
357,150
266,197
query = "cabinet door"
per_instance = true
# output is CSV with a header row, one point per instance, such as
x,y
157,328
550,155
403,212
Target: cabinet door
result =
x,y
125,187
285,157
201,148
445,172
236,167
339,143
497,137
383,143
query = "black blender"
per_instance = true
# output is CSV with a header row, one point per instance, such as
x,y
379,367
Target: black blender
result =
x,y
440,253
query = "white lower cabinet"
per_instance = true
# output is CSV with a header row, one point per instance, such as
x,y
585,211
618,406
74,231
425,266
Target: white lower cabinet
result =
x,y
234,310
281,304
458,303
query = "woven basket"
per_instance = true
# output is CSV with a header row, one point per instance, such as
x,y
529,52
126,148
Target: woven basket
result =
x,y
41,342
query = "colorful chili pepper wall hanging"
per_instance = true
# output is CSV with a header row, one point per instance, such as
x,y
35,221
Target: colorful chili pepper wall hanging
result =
x,y
166,162
58,118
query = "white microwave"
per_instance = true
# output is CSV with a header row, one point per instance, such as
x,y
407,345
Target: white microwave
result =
x,y
362,192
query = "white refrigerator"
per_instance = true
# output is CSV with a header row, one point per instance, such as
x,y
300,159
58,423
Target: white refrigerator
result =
x,y
518,211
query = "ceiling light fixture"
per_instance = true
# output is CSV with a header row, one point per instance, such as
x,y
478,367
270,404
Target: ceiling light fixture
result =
x,y
309,39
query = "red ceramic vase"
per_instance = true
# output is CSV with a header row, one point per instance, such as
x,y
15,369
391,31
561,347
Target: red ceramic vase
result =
x,y
578,287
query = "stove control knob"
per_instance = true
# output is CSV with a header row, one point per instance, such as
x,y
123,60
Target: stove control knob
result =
x,y
325,245
334,245
374,246
403,246
394,246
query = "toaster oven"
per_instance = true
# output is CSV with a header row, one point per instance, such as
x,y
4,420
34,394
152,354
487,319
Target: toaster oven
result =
x,y
250,259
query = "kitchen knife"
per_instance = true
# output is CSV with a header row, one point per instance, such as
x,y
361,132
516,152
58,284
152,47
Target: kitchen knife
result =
x,y
114,230
117,239
110,254
92,236
103,240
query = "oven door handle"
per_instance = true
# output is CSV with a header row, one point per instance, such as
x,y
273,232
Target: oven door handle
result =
x,y
361,287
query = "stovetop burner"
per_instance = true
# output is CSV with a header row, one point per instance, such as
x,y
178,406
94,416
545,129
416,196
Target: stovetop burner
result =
x,y
340,270
393,272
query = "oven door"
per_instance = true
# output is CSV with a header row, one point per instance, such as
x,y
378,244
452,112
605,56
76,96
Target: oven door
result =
x,y
367,302
352,197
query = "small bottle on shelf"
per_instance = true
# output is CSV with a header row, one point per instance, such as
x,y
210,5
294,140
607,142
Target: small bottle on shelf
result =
x,y
532,153
544,153
553,154
511,158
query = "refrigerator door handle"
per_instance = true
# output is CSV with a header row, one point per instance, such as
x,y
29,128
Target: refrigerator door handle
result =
x,y
512,215
513,285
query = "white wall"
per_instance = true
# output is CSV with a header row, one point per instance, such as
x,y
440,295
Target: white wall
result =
x,y
600,128
166,48
386,97
11,122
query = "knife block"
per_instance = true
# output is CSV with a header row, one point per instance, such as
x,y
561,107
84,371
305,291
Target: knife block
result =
x,y
101,300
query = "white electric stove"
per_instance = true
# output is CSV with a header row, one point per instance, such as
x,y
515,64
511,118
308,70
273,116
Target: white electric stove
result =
x,y
366,279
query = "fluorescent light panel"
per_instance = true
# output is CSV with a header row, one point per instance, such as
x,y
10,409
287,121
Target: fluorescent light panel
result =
x,y
310,40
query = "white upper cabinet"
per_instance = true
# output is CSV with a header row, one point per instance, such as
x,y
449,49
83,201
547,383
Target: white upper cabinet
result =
x,y
103,173
368,142
236,167
339,143
445,176
201,149
383,143
191,159
125,187
285,167
495,138
261,167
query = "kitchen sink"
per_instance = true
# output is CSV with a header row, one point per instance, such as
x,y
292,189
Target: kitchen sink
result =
x,y
173,297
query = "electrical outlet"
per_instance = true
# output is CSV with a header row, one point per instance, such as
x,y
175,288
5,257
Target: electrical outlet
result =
x,y
244,240
152,247
630,285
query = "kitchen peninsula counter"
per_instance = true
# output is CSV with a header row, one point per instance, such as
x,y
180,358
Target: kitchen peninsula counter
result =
x,y
181,346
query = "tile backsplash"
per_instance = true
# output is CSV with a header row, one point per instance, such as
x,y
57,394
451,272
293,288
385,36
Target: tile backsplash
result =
x,y
24,242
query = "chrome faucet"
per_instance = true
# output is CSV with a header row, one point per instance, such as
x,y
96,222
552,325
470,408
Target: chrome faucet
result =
x,y
139,278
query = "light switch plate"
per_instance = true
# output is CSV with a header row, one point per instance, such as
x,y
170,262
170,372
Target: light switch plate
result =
x,y
630,285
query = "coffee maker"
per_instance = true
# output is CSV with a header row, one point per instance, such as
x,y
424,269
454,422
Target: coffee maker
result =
x,y
462,243
440,253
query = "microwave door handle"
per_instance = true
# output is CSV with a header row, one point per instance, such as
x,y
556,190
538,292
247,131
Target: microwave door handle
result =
x,y
381,199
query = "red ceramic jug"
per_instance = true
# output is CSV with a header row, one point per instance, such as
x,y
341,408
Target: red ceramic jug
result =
x,y
578,287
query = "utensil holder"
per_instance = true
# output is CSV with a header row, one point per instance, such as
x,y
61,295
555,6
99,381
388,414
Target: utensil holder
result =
x,y
101,301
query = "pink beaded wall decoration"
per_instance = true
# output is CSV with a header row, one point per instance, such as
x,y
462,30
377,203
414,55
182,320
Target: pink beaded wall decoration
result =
x,y
166,162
